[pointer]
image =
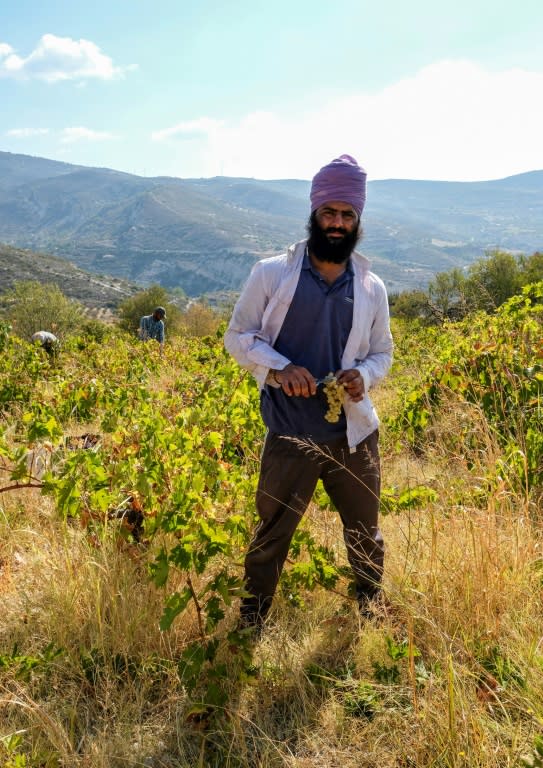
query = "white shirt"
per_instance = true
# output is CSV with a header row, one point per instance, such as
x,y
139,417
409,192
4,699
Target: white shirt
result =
x,y
261,309
44,336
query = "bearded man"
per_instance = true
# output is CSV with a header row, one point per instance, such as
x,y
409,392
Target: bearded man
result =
x,y
314,310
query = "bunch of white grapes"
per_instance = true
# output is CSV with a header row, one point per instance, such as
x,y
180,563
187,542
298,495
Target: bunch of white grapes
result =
x,y
334,394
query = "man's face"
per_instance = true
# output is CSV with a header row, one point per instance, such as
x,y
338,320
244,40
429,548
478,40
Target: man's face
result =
x,y
337,219
333,231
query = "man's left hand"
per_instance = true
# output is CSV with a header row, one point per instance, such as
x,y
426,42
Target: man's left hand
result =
x,y
353,383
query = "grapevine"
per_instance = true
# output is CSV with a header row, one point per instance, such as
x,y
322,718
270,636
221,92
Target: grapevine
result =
x,y
334,394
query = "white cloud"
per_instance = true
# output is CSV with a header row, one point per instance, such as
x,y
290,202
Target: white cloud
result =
x,y
59,58
453,120
80,133
24,133
202,128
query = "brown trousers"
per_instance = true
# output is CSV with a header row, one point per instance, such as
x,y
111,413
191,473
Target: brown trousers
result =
x,y
288,476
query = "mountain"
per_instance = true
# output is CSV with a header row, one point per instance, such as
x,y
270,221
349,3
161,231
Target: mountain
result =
x,y
203,235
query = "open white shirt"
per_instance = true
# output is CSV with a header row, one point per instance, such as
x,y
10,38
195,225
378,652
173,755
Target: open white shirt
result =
x,y
261,309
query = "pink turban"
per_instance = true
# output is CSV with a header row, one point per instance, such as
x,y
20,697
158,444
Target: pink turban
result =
x,y
342,180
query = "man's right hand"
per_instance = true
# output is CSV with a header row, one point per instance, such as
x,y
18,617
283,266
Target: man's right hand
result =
x,y
296,380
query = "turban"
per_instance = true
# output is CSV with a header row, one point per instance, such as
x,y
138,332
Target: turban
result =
x,y
342,180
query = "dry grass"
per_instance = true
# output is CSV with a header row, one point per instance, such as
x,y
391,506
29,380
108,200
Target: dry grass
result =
x,y
464,690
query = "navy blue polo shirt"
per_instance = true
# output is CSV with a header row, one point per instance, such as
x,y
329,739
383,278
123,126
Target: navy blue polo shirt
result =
x,y
314,334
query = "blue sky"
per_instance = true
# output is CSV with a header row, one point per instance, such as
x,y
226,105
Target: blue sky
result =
x,y
429,89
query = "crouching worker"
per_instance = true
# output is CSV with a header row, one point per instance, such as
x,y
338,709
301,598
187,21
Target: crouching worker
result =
x,y
48,341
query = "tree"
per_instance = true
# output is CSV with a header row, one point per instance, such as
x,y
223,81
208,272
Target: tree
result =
x,y
493,280
199,319
447,295
531,268
31,306
411,305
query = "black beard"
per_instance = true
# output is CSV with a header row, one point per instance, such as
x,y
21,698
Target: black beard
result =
x,y
332,251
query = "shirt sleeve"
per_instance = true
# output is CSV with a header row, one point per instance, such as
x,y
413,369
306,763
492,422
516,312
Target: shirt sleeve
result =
x,y
245,338
377,362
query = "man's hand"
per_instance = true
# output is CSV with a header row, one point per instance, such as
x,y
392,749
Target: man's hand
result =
x,y
296,380
353,383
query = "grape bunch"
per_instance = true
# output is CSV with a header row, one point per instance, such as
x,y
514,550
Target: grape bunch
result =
x,y
334,394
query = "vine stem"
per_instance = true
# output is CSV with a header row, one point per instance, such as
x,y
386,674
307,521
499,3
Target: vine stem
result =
x,y
19,486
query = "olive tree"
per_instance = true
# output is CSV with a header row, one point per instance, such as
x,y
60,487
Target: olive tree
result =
x,y
31,306
446,295
493,280
411,305
531,268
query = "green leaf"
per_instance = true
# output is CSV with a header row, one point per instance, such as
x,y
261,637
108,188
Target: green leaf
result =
x,y
175,605
160,569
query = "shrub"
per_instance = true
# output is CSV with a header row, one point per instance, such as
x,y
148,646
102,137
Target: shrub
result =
x,y
32,306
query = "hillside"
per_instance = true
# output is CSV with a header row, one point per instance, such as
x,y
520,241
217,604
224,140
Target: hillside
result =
x,y
204,234
96,292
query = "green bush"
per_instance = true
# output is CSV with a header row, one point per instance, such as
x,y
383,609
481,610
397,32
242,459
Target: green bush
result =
x,y
32,306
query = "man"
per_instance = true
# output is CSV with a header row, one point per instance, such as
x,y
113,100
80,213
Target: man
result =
x,y
47,340
314,310
152,326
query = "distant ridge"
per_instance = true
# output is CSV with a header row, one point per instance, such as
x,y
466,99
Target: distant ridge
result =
x,y
203,235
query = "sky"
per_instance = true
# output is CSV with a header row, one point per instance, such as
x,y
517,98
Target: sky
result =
x,y
426,89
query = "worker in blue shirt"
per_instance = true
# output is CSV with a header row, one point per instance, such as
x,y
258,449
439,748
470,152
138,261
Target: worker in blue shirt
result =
x,y
152,327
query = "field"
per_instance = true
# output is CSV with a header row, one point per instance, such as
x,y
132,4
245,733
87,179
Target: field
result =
x,y
126,503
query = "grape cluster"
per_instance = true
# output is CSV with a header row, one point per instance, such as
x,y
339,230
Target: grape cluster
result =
x,y
334,394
